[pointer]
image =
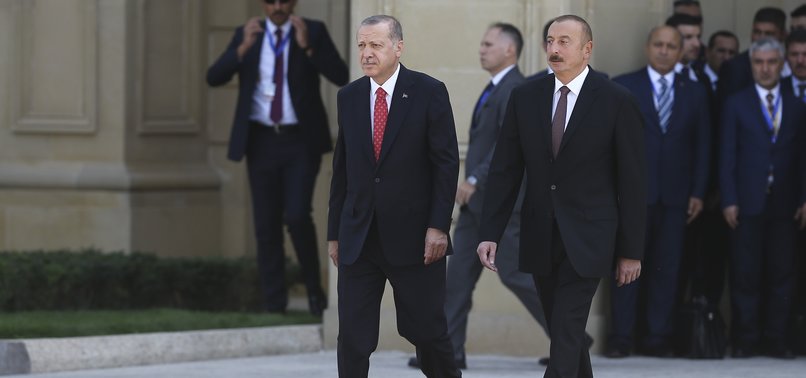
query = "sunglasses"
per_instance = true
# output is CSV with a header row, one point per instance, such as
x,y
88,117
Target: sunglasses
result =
x,y
275,1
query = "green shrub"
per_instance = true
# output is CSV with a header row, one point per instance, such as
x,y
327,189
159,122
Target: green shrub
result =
x,y
89,279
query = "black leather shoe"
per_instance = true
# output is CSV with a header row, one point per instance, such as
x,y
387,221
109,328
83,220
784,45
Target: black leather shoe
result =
x,y
414,363
317,305
543,361
662,351
781,352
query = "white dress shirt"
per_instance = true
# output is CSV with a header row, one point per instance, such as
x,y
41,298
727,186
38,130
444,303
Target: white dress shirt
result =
x,y
261,101
389,87
575,86
654,76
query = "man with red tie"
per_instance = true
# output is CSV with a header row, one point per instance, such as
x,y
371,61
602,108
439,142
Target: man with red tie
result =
x,y
281,128
395,172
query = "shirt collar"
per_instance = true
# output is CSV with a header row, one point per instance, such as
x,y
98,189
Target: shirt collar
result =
x,y
575,85
762,92
500,76
654,76
388,86
272,28
711,73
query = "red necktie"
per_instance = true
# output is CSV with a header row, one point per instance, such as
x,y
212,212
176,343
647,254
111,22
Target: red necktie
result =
x,y
276,112
381,113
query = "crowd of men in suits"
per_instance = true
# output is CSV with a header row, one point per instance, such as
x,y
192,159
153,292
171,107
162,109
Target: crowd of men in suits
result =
x,y
725,136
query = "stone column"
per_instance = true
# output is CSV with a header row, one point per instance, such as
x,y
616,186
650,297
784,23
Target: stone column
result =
x,y
102,141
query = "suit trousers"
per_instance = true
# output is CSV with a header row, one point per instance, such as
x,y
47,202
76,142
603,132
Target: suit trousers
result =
x,y
566,298
464,269
658,282
419,293
282,172
762,278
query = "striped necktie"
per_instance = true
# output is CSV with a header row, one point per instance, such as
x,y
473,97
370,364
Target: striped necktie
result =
x,y
664,104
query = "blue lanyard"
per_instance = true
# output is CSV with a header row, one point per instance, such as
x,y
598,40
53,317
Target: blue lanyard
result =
x,y
279,49
770,118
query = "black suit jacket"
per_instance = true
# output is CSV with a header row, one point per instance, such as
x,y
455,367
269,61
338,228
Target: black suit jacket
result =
x,y
303,83
734,75
595,189
412,186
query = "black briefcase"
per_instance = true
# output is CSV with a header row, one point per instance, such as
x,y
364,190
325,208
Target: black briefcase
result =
x,y
701,331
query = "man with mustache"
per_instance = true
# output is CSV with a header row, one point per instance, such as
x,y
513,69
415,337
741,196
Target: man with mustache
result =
x,y
281,128
395,172
578,137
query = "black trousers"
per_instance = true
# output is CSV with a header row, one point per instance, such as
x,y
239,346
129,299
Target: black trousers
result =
x,y
566,298
419,292
762,279
282,172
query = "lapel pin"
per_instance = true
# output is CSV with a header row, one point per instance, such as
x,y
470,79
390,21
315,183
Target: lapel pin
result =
x,y
405,95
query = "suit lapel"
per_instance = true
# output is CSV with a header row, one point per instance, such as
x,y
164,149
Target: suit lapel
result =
x,y
364,125
292,71
545,101
646,101
587,96
401,102
678,108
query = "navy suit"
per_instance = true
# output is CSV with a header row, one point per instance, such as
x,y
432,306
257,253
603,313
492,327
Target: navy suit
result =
x,y
380,212
283,166
677,169
734,75
762,263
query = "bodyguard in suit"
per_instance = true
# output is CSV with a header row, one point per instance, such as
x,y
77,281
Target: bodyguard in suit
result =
x,y
796,57
499,51
736,74
395,170
762,182
579,139
281,128
677,132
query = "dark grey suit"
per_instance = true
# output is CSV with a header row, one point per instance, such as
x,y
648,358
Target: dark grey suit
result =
x,y
464,267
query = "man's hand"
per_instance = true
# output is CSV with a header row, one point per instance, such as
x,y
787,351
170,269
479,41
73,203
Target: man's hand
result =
x,y
731,214
627,270
436,243
333,251
251,32
464,192
301,34
800,215
694,209
486,251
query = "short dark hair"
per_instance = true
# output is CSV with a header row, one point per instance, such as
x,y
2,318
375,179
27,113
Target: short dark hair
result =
x,y
678,19
796,36
772,15
799,11
586,28
678,3
721,33
513,33
395,29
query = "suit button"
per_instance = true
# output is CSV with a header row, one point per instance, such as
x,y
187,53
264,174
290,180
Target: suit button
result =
x,y
554,187
377,180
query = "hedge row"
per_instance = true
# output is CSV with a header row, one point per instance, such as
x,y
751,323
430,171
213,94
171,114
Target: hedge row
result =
x,y
89,279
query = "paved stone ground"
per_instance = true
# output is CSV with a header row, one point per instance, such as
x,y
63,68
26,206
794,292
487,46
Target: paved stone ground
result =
x,y
391,364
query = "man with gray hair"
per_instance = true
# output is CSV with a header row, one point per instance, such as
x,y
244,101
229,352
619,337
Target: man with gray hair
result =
x,y
763,187
395,171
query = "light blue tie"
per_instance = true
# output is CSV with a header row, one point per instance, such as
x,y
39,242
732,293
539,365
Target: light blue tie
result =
x,y
664,105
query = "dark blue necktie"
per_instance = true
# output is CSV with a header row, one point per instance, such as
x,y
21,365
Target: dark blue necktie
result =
x,y
482,99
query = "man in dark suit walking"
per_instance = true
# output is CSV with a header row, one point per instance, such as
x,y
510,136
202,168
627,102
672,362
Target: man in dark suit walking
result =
x,y
499,51
281,127
677,138
579,139
763,185
395,171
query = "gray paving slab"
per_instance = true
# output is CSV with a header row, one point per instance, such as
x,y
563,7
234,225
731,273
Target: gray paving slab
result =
x,y
392,364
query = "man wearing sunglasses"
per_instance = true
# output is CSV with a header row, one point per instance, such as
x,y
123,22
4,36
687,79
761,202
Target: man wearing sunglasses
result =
x,y
281,128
